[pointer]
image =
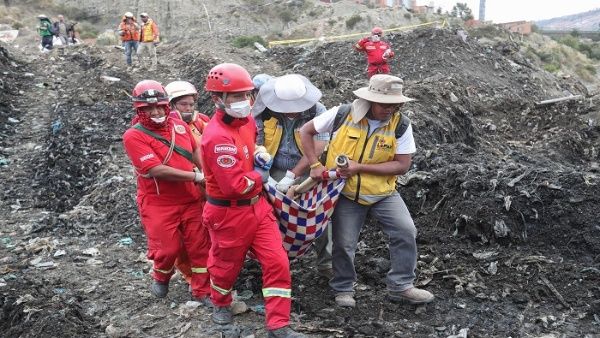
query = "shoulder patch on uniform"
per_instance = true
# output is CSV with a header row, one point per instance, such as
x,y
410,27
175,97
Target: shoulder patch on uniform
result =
x,y
226,161
179,129
225,149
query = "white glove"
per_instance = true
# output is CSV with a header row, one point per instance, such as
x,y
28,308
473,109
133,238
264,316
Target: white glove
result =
x,y
262,158
286,182
198,176
386,54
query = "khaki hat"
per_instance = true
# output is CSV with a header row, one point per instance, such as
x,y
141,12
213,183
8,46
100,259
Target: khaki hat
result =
x,y
383,88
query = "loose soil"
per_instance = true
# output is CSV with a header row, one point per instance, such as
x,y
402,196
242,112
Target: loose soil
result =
x,y
504,193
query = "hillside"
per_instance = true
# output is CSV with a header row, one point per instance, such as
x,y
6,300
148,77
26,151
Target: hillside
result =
x,y
587,21
504,191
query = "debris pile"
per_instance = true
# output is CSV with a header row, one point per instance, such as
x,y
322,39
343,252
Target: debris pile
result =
x,y
504,192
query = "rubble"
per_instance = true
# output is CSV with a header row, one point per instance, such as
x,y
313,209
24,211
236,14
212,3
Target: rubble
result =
x,y
504,194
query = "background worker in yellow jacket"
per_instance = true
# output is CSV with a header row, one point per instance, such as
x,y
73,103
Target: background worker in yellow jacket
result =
x,y
149,38
282,106
379,143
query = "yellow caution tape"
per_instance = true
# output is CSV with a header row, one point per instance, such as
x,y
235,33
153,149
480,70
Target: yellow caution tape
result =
x,y
341,37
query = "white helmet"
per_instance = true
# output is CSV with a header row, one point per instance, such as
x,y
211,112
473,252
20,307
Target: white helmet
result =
x,y
42,16
177,89
128,15
145,15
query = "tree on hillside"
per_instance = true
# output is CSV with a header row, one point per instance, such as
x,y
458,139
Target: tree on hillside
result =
x,y
461,10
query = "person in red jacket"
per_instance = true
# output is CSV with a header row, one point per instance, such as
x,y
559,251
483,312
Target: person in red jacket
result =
x,y
164,154
378,52
182,100
237,214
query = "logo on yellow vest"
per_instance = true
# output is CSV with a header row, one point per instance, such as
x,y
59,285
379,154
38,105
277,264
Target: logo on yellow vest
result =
x,y
381,145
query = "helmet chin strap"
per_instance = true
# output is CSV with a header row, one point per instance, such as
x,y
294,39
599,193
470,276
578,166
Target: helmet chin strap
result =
x,y
221,104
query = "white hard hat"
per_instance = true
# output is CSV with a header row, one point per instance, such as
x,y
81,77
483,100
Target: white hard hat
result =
x,y
177,89
128,15
42,16
144,14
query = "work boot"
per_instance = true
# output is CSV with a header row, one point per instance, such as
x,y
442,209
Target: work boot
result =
x,y
411,296
205,301
159,289
285,332
345,299
222,315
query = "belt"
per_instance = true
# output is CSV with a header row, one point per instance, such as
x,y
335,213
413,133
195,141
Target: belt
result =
x,y
378,64
232,203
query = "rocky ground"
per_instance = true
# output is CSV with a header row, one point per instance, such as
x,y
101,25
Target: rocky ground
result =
x,y
504,193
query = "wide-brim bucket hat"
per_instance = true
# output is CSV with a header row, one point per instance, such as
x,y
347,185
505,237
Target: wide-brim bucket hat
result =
x,y
292,93
383,88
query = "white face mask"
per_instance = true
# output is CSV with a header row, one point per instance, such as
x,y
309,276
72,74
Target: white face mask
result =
x,y
159,119
239,109
375,38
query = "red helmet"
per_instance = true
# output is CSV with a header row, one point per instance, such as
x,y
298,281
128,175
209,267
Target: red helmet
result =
x,y
228,78
377,31
149,92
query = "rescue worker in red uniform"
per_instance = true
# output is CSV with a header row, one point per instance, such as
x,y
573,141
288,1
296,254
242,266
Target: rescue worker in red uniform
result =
x,y
378,52
182,100
164,155
238,216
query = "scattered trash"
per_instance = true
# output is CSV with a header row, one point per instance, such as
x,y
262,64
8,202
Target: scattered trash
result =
x,y
37,262
7,242
244,295
260,309
91,252
125,241
56,126
59,253
238,307
110,78
463,333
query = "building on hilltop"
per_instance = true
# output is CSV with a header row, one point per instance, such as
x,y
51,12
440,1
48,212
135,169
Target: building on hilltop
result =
x,y
521,27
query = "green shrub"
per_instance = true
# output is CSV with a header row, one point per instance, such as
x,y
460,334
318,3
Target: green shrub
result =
x,y
353,20
552,67
595,52
570,41
87,31
591,68
17,25
107,38
245,41
331,22
407,16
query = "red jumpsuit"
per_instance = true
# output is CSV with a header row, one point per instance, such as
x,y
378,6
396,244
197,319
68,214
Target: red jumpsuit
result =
x,y
375,51
248,223
199,121
170,211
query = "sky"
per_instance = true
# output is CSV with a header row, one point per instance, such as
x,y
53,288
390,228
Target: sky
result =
x,y
516,10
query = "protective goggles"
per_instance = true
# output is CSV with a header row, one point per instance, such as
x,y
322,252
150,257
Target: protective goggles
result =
x,y
151,96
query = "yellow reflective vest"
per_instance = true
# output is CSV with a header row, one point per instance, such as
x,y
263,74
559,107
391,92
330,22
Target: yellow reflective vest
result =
x,y
149,31
351,139
273,131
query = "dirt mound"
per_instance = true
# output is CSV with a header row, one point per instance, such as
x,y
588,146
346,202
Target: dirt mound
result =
x,y
504,193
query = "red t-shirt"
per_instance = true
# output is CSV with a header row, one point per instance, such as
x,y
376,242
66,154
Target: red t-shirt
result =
x,y
228,158
146,152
